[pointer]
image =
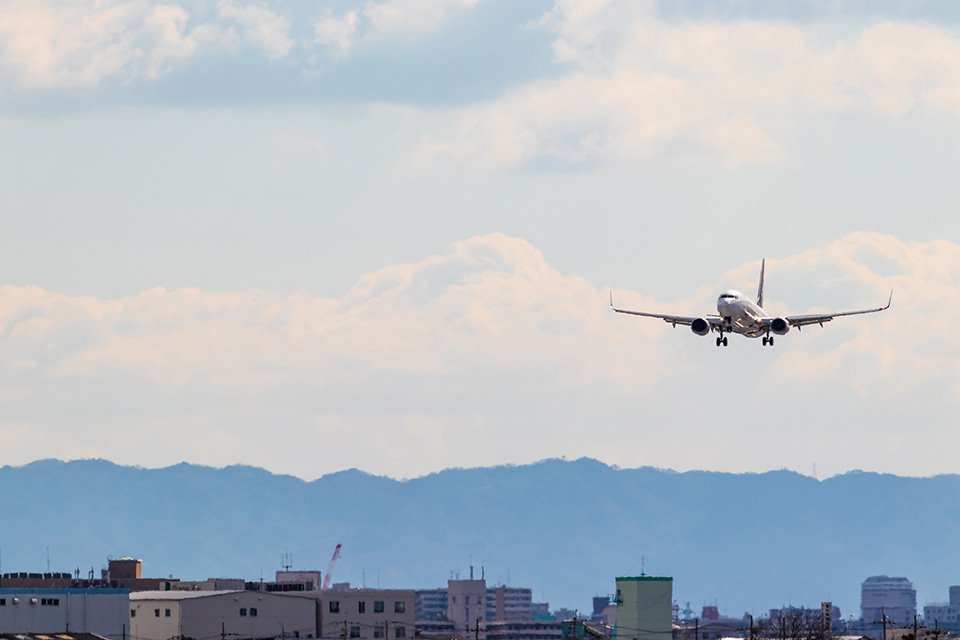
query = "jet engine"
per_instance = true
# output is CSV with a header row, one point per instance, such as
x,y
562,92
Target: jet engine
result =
x,y
779,326
701,327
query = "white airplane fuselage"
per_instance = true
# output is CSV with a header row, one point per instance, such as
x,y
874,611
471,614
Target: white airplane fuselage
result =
x,y
742,314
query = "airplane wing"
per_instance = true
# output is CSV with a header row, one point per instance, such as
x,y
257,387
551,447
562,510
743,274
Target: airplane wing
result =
x,y
820,318
674,320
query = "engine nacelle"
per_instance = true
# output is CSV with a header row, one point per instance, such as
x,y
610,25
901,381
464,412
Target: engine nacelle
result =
x,y
779,326
700,327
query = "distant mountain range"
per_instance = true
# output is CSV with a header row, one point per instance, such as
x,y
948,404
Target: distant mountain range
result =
x,y
564,528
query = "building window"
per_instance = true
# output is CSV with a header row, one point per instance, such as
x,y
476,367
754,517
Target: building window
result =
x,y
400,631
378,632
378,606
49,602
3,602
355,631
166,613
334,606
253,612
133,613
156,613
399,607
243,612
361,607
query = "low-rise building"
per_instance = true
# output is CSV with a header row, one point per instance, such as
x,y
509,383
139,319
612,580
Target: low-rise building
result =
x,y
366,614
104,612
159,615
524,630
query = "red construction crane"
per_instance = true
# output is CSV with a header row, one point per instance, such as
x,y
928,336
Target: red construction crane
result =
x,y
333,560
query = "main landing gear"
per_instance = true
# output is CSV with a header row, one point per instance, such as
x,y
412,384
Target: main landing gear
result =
x,y
722,340
768,340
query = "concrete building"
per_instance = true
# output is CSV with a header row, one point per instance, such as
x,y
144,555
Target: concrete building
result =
x,y
104,612
467,605
210,584
509,604
121,573
894,597
159,615
523,630
946,615
644,608
369,614
431,605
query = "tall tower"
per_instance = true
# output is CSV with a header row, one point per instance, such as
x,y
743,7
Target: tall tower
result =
x,y
644,608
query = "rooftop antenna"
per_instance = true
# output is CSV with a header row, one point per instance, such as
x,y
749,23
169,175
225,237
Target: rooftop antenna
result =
x,y
642,561
48,559
286,561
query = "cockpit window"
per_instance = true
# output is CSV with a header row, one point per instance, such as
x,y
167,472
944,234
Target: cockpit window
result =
x,y
728,295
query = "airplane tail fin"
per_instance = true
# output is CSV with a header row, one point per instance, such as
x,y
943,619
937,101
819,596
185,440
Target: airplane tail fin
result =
x,y
763,264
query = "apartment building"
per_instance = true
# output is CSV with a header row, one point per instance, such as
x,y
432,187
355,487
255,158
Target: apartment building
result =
x,y
509,604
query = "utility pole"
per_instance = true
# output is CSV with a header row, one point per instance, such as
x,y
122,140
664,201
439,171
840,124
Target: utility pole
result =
x,y
883,620
223,631
696,628
476,630
751,627
914,626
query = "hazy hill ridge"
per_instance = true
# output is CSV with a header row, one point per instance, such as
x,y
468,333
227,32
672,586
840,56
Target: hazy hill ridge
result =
x,y
565,528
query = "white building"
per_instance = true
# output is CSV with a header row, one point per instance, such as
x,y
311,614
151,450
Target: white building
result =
x,y
644,608
159,615
104,612
893,597
945,615
467,606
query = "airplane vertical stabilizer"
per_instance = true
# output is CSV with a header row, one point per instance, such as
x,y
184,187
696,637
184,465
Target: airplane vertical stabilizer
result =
x,y
763,264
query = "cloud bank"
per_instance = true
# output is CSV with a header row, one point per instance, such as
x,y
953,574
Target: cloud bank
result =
x,y
481,355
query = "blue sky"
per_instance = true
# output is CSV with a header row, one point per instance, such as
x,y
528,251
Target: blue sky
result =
x,y
312,236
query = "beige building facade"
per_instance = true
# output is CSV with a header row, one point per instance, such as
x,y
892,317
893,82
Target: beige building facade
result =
x,y
644,608
366,614
202,615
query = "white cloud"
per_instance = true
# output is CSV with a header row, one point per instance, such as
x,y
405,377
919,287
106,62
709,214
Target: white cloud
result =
x,y
731,88
337,32
398,20
486,334
47,44
262,27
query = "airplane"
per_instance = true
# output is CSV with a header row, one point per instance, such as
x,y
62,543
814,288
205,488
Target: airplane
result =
x,y
738,314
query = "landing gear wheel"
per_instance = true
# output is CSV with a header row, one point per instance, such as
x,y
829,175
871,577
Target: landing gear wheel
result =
x,y
765,338
719,340
771,341
724,340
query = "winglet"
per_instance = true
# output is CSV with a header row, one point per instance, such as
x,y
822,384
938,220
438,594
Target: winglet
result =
x,y
611,298
889,300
